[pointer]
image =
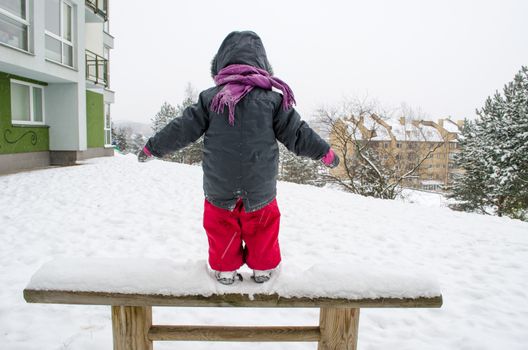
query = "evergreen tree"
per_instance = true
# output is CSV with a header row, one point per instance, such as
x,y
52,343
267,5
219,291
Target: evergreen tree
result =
x,y
135,143
300,170
120,139
192,154
469,189
164,116
495,154
113,133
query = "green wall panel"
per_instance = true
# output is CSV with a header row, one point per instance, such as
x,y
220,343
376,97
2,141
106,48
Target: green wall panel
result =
x,y
18,139
95,119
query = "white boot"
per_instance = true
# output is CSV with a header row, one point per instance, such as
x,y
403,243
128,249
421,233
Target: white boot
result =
x,y
261,276
226,277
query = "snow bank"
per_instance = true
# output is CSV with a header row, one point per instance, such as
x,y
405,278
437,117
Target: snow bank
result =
x,y
166,277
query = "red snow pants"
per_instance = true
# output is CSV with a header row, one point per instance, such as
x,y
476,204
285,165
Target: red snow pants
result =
x,y
228,230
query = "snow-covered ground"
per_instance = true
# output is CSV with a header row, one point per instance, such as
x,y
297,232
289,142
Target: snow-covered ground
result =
x,y
117,208
424,198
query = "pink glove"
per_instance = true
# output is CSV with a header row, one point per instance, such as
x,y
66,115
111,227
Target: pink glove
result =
x,y
147,151
144,155
331,159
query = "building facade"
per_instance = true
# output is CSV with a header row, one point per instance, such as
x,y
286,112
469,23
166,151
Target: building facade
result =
x,y
425,148
55,92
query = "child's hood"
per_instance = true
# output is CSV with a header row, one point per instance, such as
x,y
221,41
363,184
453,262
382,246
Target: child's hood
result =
x,y
241,48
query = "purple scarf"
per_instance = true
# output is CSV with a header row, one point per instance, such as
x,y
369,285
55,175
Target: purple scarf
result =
x,y
239,80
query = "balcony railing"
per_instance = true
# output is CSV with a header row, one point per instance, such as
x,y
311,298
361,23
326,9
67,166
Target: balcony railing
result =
x,y
97,69
99,7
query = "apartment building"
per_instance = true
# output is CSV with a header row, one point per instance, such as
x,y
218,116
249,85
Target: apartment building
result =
x,y
426,148
55,94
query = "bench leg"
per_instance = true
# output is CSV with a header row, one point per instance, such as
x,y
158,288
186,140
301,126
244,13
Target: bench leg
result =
x,y
339,329
130,327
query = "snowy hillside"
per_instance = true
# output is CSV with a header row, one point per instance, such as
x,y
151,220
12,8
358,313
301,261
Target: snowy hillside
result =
x,y
116,207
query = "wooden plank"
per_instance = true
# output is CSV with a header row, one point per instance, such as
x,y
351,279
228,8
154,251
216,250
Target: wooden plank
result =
x,y
339,329
239,334
220,300
130,327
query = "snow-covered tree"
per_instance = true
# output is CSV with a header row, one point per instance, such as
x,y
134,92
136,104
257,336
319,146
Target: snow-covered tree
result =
x,y
120,139
166,113
296,169
126,140
192,154
469,189
495,154
136,142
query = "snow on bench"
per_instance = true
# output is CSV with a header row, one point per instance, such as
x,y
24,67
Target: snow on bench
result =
x,y
133,286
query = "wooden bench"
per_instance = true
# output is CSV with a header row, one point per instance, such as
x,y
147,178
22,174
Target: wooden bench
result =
x,y
132,312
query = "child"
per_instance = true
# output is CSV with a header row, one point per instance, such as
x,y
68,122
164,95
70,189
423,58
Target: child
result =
x,y
241,155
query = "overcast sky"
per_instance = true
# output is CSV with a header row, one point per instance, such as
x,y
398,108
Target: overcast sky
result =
x,y
444,57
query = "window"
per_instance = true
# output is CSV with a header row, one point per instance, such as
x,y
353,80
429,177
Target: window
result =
x,y
108,126
59,31
14,23
27,103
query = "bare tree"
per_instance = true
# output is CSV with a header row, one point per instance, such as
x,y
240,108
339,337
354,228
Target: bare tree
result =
x,y
374,160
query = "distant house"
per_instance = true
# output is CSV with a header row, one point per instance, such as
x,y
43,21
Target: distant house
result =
x,y
55,92
427,147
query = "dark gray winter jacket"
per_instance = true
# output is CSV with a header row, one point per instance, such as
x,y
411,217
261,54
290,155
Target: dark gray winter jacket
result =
x,y
240,161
